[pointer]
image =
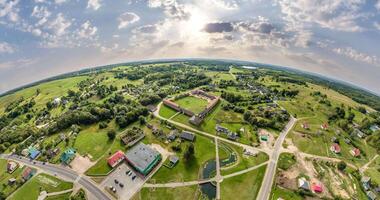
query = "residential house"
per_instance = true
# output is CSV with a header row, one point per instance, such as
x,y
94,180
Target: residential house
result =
x,y
371,195
335,148
11,166
68,155
28,173
172,135
325,126
11,181
317,187
374,128
355,152
33,153
305,125
186,135
366,182
303,183
173,159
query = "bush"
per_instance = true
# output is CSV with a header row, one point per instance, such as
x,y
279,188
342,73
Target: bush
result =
x,y
111,134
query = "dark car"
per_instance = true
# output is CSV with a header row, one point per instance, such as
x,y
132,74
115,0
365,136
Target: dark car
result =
x,y
121,185
127,172
133,177
116,181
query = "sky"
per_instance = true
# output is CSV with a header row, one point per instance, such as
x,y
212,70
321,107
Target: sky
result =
x,y
335,38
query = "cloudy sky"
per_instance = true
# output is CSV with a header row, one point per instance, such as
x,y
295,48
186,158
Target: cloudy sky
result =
x,y
336,38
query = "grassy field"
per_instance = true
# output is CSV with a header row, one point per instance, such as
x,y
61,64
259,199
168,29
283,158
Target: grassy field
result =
x,y
286,160
243,162
5,176
64,196
204,151
245,186
373,171
41,182
166,111
286,194
191,103
179,193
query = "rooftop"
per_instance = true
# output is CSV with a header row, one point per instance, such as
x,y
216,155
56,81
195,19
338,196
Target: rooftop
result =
x,y
142,156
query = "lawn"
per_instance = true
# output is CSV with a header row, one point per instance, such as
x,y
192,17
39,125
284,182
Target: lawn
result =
x,y
243,161
166,111
373,171
179,193
64,196
93,141
192,103
285,194
41,182
245,186
286,161
204,151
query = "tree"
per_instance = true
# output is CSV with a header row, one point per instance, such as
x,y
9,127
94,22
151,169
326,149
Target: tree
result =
x,y
103,125
342,165
189,153
142,120
111,134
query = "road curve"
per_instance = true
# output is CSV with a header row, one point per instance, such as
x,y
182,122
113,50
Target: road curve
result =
x,y
270,172
66,173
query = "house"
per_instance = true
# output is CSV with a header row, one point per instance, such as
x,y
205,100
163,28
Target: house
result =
x,y
359,133
347,140
221,129
28,173
11,181
143,158
68,155
317,187
195,120
371,195
335,148
172,135
232,136
355,152
303,183
186,135
51,153
25,152
366,182
374,128
57,101
116,158
305,125
11,166
324,126
173,159
33,153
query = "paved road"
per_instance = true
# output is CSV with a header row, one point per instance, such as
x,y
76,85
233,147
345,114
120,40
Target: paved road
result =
x,y
156,114
270,172
65,173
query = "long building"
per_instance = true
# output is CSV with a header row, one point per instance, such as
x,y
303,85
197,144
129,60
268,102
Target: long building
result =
x,y
143,158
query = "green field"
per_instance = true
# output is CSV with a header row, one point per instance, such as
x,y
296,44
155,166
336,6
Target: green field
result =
x,y
204,151
64,196
5,176
286,160
285,194
166,111
192,103
245,186
179,193
41,182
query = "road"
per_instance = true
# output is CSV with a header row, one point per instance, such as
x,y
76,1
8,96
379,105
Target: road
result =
x,y
65,173
270,172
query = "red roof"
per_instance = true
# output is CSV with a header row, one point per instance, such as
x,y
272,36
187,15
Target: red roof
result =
x,y
116,158
356,152
336,148
325,126
317,188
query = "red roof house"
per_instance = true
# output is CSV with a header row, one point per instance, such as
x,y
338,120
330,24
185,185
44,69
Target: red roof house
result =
x,y
317,188
325,126
116,158
335,148
305,125
355,152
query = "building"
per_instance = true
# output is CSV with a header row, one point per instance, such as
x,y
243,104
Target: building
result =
x,y
366,182
303,183
173,159
68,155
116,158
305,125
221,129
232,136
143,158
324,126
355,152
11,181
11,166
359,133
371,195
28,173
317,188
33,153
172,135
374,128
186,135
195,120
335,148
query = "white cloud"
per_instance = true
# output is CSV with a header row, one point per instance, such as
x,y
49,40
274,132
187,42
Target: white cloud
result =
x,y
60,1
377,25
23,62
94,4
226,4
356,55
6,48
171,8
59,25
87,30
127,18
8,9
339,15
378,5
41,13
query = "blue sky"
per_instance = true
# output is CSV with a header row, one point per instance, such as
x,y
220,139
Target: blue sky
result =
x,y
42,38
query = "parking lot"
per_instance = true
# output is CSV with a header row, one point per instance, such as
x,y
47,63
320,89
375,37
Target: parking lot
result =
x,y
130,186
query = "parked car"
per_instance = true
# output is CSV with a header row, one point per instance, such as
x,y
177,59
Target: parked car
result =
x,y
121,185
116,181
130,173
133,177
127,172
